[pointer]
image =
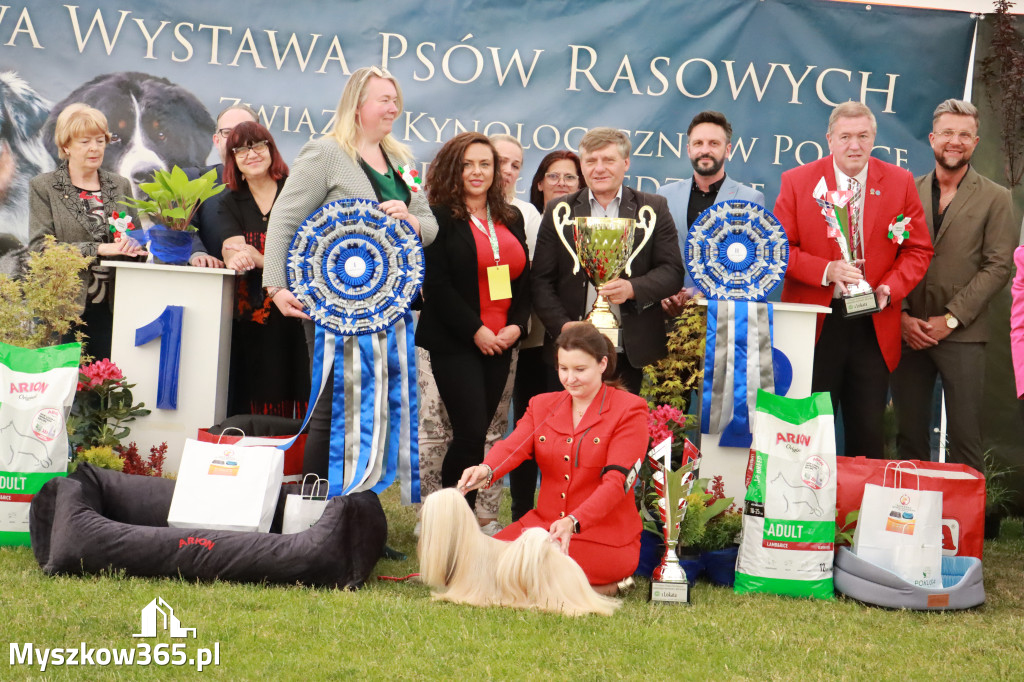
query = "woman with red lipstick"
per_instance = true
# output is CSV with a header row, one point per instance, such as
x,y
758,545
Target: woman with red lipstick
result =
x,y
255,174
74,204
476,300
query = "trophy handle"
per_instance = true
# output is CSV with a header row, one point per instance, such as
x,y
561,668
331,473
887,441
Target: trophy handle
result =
x,y
647,225
561,222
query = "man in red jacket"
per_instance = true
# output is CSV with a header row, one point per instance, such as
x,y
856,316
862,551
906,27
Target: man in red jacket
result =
x,y
854,355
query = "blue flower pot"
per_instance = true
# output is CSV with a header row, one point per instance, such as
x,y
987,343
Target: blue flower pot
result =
x,y
693,566
650,553
720,565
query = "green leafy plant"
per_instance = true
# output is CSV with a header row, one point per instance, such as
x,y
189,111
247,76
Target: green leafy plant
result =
x,y
844,530
174,198
102,457
103,405
671,380
42,306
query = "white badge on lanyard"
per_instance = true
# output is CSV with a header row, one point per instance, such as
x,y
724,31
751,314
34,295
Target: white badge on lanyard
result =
x,y
499,283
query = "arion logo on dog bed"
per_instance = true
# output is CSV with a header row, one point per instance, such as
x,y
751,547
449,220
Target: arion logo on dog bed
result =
x,y
224,466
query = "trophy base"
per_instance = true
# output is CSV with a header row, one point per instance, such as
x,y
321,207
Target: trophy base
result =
x,y
669,593
860,304
613,334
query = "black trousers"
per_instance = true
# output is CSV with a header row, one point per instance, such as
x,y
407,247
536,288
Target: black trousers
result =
x,y
962,368
533,377
470,385
318,441
848,363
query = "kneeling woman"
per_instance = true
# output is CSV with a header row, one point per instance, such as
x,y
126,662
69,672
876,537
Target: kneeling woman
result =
x,y
586,441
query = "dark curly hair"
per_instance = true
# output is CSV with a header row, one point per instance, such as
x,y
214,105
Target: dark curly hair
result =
x,y
536,195
444,179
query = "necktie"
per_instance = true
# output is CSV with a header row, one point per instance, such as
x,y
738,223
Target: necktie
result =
x,y
854,213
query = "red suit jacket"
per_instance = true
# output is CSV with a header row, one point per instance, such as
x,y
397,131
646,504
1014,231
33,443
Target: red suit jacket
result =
x,y
583,469
890,191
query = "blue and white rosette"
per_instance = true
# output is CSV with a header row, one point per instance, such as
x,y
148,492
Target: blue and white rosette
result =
x,y
737,252
357,271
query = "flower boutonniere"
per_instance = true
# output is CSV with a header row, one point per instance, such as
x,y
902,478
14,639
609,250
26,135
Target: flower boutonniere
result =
x,y
899,229
411,177
119,223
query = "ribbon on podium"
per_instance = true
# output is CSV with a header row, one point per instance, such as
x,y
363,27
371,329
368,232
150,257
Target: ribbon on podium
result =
x,y
736,253
357,271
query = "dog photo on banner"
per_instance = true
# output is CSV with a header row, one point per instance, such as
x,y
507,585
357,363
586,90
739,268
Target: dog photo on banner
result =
x,y
357,271
737,252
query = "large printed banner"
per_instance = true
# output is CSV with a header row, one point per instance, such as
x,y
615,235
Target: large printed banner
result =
x,y
543,71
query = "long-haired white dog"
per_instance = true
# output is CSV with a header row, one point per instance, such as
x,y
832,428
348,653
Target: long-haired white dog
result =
x,y
467,567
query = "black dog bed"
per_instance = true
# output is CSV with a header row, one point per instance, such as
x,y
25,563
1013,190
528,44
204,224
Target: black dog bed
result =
x,y
97,519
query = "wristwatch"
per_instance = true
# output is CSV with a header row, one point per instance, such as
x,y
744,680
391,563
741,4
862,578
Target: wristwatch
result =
x,y
272,291
951,321
575,524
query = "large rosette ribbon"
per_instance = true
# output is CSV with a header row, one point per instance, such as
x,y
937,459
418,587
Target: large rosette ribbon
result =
x,y
357,272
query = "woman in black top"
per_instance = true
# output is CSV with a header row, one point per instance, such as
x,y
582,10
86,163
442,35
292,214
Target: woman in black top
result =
x,y
269,365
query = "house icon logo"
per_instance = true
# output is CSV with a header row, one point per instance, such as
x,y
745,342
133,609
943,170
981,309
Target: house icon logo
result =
x,y
158,611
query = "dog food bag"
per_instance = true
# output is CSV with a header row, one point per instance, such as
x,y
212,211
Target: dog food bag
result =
x,y
786,546
37,388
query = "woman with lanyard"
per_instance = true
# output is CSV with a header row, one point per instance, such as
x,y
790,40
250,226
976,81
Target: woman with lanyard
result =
x,y
476,301
360,159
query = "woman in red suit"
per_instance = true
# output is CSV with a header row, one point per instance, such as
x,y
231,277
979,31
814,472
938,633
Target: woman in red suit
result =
x,y
586,441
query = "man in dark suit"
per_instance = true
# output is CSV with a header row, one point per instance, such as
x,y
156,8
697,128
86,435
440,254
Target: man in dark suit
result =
x,y
561,298
854,355
945,318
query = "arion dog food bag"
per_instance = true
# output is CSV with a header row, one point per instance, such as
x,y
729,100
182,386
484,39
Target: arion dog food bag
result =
x,y
786,546
37,388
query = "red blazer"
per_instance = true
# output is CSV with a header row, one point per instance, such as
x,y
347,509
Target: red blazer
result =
x,y
583,469
890,192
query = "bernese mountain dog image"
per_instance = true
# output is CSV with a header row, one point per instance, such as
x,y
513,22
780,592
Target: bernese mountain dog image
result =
x,y
154,124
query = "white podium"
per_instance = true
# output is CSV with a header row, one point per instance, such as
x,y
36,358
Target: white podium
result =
x,y
194,308
794,326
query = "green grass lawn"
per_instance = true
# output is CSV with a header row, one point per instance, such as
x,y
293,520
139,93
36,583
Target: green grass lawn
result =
x,y
393,630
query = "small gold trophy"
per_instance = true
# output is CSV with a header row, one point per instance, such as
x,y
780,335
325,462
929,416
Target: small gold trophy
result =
x,y
604,247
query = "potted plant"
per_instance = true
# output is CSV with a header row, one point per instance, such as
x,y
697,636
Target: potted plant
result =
x,y
719,543
172,201
103,405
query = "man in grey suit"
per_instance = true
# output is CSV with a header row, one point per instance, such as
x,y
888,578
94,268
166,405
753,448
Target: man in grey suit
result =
x,y
561,297
944,322
709,144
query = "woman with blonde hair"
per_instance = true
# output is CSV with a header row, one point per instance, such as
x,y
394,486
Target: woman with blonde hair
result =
x,y
74,204
360,159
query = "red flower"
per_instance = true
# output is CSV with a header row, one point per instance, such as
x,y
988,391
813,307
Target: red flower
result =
x,y
98,372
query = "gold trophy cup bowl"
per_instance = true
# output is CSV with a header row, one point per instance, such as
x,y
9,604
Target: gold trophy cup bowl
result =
x,y
604,248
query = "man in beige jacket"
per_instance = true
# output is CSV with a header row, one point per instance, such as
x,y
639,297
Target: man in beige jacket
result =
x,y
945,318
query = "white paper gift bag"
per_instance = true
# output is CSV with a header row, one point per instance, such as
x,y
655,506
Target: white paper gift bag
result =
x,y
900,529
227,487
303,510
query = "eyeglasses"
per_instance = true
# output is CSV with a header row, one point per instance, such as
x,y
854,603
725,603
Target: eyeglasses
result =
x,y
224,132
964,136
567,178
258,147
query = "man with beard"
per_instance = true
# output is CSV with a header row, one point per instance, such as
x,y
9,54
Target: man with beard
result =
x,y
944,321
709,144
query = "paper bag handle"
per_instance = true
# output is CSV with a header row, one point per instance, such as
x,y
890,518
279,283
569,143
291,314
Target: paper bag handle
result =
x,y
897,476
314,487
230,428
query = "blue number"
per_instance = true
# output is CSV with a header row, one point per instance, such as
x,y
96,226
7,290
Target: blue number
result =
x,y
168,328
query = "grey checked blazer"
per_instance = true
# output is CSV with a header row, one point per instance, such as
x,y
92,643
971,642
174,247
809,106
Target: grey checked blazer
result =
x,y
321,173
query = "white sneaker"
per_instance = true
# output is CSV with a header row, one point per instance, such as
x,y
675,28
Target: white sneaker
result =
x,y
492,528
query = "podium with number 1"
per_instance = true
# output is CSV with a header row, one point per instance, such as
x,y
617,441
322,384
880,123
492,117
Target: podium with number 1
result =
x,y
172,339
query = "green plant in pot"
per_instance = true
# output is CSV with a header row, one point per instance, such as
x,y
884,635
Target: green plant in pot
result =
x,y
998,495
172,201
